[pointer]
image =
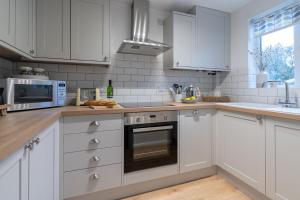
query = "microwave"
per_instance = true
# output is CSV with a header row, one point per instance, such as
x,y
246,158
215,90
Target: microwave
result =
x,y
28,94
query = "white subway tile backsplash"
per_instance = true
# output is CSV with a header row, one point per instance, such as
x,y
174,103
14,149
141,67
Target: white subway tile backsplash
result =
x,y
67,68
76,76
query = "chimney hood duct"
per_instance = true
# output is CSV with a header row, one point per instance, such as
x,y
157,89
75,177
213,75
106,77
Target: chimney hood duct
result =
x,y
139,43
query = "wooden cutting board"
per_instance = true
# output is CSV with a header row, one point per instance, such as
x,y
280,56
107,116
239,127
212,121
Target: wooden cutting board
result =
x,y
105,107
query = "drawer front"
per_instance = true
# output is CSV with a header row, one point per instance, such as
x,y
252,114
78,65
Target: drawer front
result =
x,y
92,123
91,180
92,158
87,141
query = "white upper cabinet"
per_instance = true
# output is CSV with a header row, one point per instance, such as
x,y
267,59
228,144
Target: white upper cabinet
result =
x,y
180,33
25,25
283,163
7,21
90,24
212,39
241,147
195,139
53,29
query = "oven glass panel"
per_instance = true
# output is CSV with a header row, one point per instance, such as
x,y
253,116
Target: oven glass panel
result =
x,y
151,144
33,93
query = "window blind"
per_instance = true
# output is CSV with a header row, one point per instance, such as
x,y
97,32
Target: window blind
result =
x,y
279,19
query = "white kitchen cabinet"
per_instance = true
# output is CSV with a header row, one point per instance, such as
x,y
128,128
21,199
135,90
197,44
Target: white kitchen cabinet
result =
x,y
44,166
14,177
283,164
212,39
25,25
53,29
240,141
33,174
7,21
90,24
180,34
195,139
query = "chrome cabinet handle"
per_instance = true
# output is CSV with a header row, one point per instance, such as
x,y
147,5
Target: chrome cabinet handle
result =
x,y
177,64
36,141
196,112
105,58
95,159
29,146
31,51
95,123
95,141
95,176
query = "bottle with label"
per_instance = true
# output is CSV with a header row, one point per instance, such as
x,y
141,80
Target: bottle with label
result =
x,y
110,90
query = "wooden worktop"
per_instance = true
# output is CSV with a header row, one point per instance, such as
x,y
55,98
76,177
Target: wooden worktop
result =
x,y
18,128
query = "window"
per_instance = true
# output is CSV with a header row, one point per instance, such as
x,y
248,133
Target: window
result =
x,y
277,44
279,49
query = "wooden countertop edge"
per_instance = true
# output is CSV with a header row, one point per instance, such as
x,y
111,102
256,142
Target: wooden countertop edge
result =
x,y
9,143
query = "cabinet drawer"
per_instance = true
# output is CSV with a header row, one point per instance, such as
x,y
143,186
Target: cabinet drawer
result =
x,y
92,158
91,180
92,123
86,141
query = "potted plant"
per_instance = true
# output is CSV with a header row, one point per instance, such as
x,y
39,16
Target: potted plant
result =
x,y
261,58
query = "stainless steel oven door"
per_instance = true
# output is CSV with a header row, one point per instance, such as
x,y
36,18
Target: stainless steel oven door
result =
x,y
150,145
26,94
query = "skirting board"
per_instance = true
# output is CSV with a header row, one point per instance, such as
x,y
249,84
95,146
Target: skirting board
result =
x,y
134,189
243,187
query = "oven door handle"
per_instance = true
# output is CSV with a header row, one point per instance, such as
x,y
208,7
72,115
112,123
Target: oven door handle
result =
x,y
159,128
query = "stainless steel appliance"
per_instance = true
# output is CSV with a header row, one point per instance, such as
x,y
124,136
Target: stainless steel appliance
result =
x,y
139,42
150,140
26,94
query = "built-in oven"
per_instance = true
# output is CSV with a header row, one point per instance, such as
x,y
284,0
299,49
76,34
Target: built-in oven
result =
x,y
26,94
150,140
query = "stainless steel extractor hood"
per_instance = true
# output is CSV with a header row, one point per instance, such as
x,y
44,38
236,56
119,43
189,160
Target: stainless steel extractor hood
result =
x,y
139,42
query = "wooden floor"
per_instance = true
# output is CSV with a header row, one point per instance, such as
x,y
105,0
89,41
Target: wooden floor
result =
x,y
212,188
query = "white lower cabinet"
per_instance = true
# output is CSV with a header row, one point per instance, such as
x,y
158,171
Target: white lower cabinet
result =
x,y
283,163
241,147
195,129
33,174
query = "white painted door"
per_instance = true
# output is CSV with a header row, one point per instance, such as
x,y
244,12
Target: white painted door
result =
x,y
7,21
53,29
14,177
283,163
44,166
184,34
195,139
24,25
90,30
241,147
213,39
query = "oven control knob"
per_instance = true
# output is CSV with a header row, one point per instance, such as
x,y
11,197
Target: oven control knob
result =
x,y
138,120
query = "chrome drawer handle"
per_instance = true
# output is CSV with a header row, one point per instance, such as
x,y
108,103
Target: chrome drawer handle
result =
x,y
95,176
196,112
96,158
95,141
95,123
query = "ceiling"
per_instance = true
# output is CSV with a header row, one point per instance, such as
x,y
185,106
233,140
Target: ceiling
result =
x,y
186,5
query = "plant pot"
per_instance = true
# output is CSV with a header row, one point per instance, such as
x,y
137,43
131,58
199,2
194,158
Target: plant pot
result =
x,y
261,77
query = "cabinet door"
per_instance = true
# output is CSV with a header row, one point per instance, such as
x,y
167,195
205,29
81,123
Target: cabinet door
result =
x,y
90,30
283,164
213,39
14,177
44,166
241,147
195,140
184,41
7,21
53,29
24,25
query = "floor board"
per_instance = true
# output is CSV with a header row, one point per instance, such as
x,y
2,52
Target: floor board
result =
x,y
212,188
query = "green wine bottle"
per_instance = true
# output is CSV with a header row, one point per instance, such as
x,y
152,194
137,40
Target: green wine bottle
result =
x,y
110,90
